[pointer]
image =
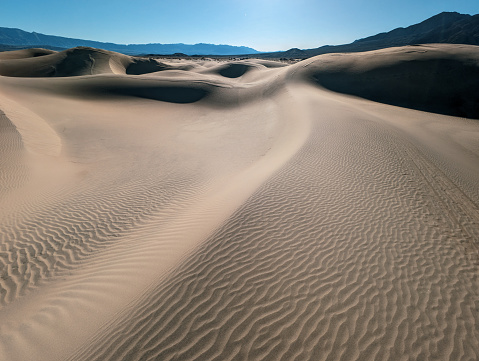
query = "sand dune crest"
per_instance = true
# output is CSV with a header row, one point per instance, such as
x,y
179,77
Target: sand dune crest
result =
x,y
74,62
434,78
37,135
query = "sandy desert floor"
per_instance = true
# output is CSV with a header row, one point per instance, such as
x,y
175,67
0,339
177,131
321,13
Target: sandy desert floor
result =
x,y
240,210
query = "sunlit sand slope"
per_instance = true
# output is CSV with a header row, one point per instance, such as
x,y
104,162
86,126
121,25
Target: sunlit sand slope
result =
x,y
238,210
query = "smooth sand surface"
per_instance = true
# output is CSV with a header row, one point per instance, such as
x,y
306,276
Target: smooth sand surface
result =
x,y
241,210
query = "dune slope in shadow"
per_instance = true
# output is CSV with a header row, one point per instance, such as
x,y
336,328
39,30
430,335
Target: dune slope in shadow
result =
x,y
425,78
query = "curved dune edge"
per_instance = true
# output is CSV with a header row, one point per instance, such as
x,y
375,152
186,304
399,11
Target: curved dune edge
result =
x,y
25,53
106,284
438,78
79,61
37,135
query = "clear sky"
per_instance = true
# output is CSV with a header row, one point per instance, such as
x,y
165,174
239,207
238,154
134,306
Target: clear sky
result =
x,y
265,25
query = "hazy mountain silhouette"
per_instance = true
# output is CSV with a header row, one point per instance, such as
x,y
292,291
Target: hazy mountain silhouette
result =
x,y
12,39
446,27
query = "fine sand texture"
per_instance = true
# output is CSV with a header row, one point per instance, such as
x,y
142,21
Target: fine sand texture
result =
x,y
239,210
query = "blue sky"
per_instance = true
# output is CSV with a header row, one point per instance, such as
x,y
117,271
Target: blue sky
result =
x,y
265,25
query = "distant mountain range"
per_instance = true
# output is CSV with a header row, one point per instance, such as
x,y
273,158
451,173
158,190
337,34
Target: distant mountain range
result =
x,y
11,39
446,27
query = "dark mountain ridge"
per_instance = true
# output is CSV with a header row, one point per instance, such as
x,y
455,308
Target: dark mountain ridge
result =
x,y
446,27
12,39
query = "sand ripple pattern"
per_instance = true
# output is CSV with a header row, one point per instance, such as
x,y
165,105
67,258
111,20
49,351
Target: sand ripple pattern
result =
x,y
12,173
49,239
345,254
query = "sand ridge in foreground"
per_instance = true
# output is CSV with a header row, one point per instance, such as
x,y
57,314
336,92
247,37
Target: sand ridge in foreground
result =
x,y
204,210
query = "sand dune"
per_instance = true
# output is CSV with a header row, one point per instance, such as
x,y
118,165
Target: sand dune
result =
x,y
244,210
25,53
435,78
74,62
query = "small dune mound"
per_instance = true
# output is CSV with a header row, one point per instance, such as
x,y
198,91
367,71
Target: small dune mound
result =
x,y
441,79
269,63
72,62
77,61
144,66
234,70
25,53
43,66
89,61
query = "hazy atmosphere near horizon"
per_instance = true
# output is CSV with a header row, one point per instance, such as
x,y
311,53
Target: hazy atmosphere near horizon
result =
x,y
183,200
266,25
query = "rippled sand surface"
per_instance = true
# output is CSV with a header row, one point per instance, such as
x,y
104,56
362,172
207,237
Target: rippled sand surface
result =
x,y
240,210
